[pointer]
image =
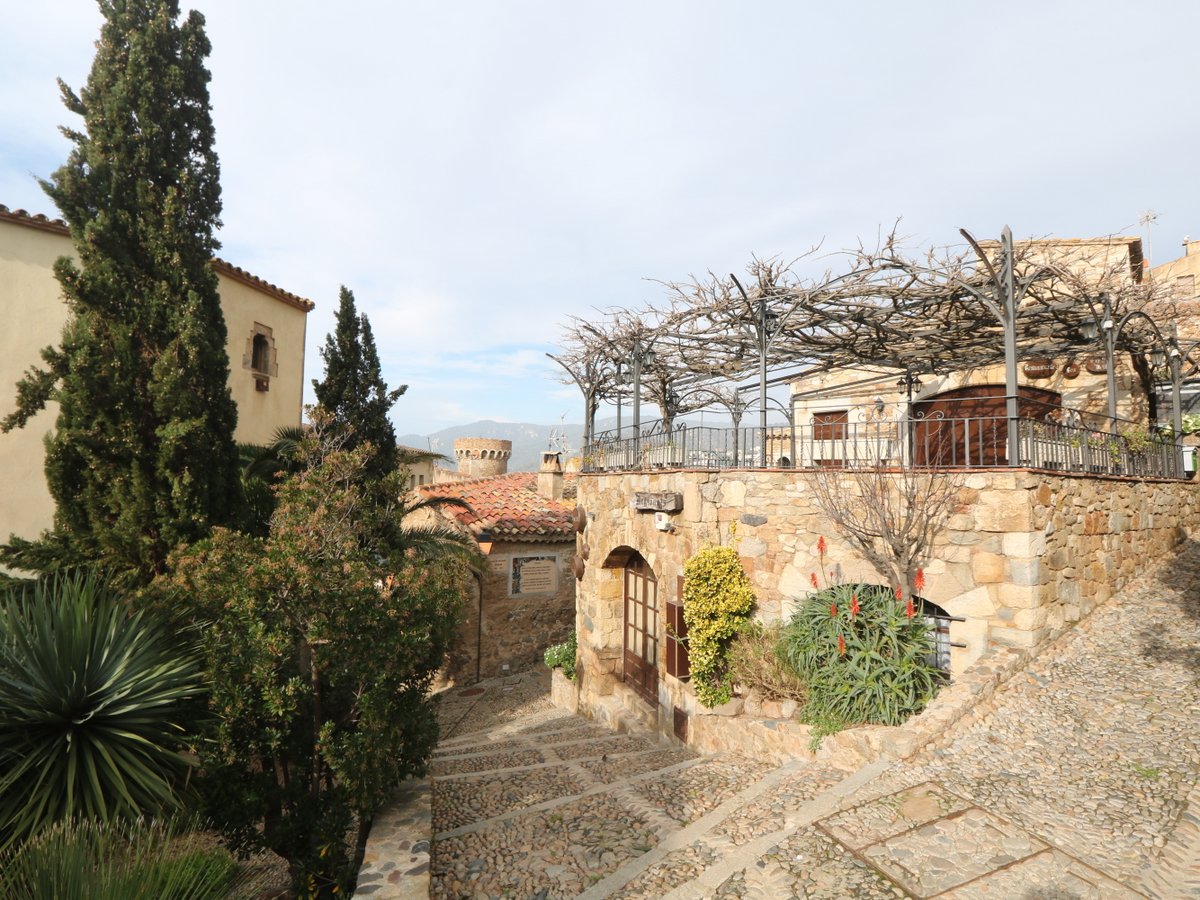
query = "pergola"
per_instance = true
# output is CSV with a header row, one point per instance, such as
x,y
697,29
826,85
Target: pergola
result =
x,y
997,303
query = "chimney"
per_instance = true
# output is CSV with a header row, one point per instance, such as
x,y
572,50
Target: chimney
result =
x,y
550,477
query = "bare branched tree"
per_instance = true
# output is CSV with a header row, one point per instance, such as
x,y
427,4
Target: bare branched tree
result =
x,y
890,516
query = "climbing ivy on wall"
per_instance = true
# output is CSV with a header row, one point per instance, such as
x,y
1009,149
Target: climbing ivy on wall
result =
x,y
717,601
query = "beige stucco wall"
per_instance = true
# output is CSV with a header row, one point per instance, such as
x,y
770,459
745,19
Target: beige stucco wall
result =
x,y
34,315
1023,554
260,413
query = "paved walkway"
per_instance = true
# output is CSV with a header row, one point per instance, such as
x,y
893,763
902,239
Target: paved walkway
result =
x,y
1081,782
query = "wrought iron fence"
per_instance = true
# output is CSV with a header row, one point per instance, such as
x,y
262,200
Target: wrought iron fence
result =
x,y
1054,438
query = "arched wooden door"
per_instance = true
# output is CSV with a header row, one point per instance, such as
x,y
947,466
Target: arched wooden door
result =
x,y
968,426
640,669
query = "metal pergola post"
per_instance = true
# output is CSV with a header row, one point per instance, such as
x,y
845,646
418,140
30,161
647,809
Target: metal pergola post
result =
x,y
1012,408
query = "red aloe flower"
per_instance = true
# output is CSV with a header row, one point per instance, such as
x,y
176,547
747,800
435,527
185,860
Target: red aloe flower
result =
x,y
812,576
854,607
821,545
899,594
833,611
919,581
908,608
841,645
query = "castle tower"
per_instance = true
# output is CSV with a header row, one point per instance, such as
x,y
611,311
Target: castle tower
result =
x,y
482,457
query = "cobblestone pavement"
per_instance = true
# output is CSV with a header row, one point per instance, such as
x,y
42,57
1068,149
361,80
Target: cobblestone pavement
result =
x,y
1082,781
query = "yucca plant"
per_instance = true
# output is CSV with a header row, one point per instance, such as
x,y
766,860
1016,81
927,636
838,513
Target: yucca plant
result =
x,y
92,701
91,860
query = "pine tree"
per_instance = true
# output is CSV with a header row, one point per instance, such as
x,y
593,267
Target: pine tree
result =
x,y
353,392
142,458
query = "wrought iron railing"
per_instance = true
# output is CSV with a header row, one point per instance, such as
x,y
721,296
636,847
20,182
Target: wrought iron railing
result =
x,y
1053,438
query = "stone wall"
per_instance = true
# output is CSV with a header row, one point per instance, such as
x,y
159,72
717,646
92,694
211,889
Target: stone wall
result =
x,y
516,628
1023,554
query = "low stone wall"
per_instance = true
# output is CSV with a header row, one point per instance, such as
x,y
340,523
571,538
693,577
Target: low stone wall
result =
x,y
396,862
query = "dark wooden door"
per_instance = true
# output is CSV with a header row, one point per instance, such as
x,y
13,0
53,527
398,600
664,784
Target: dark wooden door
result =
x,y
969,427
641,630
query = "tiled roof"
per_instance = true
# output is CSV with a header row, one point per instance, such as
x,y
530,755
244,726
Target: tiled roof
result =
x,y
507,507
229,270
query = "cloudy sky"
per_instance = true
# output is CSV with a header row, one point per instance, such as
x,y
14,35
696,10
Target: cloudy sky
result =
x,y
478,171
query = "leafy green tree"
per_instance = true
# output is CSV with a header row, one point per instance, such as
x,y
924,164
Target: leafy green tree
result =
x,y
143,457
264,466
353,391
316,725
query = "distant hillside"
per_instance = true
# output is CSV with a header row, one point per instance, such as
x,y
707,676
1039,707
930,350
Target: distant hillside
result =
x,y
529,441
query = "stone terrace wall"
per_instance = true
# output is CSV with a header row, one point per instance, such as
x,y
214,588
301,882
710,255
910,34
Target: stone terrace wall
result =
x,y
1023,554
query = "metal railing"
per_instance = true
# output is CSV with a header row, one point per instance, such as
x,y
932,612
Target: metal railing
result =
x,y
1053,438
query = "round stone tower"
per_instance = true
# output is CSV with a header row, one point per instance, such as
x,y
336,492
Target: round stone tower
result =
x,y
482,457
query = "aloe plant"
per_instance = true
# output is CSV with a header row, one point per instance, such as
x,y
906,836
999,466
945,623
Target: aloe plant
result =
x,y
92,705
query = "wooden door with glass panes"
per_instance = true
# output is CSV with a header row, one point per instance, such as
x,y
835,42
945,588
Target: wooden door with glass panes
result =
x,y
641,630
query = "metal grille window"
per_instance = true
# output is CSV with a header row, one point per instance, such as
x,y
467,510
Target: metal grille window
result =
x,y
938,621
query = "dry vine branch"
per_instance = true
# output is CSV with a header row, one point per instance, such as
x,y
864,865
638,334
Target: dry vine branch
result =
x,y
890,516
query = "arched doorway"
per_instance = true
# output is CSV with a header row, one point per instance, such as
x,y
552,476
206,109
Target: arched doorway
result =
x,y
640,656
968,426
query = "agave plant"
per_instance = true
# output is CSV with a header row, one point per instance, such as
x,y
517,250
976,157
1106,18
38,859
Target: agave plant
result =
x,y
92,701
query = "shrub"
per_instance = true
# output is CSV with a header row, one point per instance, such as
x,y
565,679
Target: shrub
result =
x,y
321,641
89,860
864,656
562,656
717,601
754,662
92,705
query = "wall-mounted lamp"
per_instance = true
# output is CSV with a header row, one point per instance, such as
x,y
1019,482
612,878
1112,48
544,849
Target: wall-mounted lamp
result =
x,y
1158,357
1088,330
879,405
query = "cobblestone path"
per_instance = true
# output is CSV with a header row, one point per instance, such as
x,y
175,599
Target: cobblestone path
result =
x,y
1082,781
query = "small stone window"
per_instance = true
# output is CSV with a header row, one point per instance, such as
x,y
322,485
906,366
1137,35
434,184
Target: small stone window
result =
x,y
261,357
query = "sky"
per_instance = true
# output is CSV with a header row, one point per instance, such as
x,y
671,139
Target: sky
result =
x,y
479,171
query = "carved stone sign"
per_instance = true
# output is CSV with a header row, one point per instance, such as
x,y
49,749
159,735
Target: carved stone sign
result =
x,y
533,575
658,501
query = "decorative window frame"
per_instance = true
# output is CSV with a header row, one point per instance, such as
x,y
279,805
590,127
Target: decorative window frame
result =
x,y
262,377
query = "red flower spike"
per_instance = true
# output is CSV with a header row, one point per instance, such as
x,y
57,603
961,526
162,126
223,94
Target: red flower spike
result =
x,y
899,594
854,607
908,608
833,611
812,576
841,645
821,545
919,581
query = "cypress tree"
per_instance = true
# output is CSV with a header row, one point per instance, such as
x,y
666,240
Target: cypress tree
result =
x,y
353,391
142,458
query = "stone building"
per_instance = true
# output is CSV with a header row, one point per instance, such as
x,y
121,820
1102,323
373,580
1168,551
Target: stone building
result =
x,y
524,599
482,457
266,330
1027,548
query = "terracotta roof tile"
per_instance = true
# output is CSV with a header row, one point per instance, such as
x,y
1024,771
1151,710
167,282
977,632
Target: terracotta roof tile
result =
x,y
508,507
